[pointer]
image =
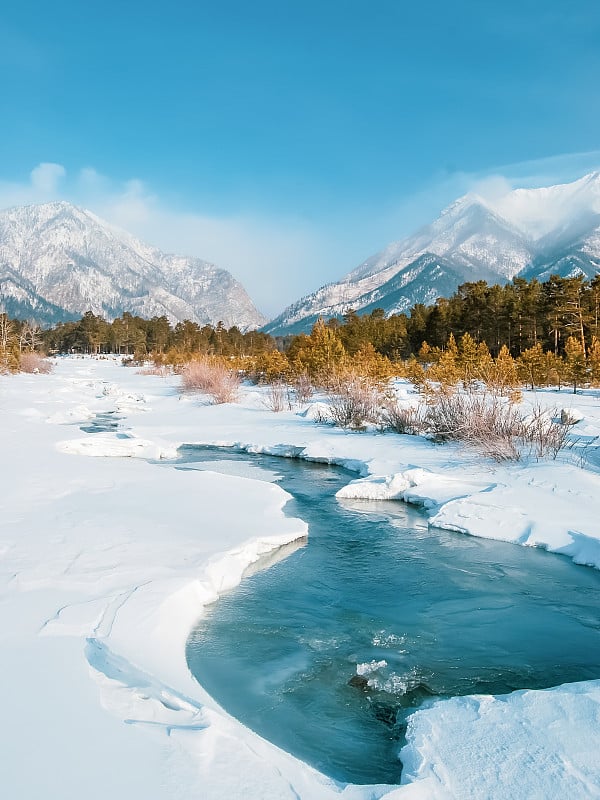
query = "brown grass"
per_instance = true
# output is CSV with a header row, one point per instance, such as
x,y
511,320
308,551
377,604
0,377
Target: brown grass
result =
x,y
35,363
212,378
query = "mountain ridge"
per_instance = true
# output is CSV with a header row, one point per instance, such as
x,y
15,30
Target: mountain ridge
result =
x,y
58,260
525,232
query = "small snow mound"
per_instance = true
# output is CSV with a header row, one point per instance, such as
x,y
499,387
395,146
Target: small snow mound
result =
x,y
570,416
376,487
79,413
318,412
131,402
110,389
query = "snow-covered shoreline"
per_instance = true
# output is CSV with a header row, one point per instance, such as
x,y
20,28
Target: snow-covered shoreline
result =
x,y
112,559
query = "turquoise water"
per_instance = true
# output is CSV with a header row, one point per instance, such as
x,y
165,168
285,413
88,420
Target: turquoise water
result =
x,y
327,652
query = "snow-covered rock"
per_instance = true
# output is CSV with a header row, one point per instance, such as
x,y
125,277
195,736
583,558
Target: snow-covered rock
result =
x,y
570,416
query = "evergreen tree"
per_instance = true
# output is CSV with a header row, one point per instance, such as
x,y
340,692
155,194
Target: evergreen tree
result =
x,y
531,366
576,367
320,355
468,359
502,375
9,345
594,360
447,370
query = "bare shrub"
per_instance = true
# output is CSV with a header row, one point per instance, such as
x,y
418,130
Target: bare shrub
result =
x,y
402,419
278,397
303,388
546,437
155,369
496,427
212,378
354,402
515,396
483,421
35,363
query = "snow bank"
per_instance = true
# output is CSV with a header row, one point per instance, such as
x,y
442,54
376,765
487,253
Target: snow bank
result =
x,y
560,515
417,486
535,741
106,445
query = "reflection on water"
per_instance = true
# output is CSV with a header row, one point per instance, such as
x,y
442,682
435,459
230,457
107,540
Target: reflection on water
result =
x,y
328,651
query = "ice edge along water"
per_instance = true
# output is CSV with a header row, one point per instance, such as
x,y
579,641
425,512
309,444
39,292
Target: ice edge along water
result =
x,y
135,633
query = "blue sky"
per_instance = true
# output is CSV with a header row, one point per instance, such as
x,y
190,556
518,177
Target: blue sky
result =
x,y
288,141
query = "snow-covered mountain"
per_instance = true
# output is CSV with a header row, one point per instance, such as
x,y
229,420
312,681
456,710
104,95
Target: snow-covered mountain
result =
x,y
58,261
528,232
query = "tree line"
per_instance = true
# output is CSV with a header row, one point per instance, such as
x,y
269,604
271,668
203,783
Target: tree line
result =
x,y
550,330
518,315
130,335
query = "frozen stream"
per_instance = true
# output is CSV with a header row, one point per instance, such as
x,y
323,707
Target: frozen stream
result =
x,y
330,649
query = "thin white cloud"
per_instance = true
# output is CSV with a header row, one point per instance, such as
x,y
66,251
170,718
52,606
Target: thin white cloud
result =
x,y
277,259
492,184
46,178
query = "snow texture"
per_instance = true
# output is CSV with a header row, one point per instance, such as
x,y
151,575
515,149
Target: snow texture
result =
x,y
107,562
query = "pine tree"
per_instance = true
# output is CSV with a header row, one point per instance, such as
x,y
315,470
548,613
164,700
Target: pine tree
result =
x,y
576,366
320,355
270,366
531,365
502,374
467,359
594,360
416,374
368,363
447,370
9,345
554,370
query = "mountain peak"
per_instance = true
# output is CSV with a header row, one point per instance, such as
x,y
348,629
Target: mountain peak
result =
x,y
461,204
64,260
49,207
522,232
542,211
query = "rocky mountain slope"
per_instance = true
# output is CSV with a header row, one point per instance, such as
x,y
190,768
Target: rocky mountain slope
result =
x,y
58,261
528,232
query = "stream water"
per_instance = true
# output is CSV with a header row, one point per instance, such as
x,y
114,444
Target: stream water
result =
x,y
326,647
327,651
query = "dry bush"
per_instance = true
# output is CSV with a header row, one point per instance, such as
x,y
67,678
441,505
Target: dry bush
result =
x,y
35,363
495,427
544,436
483,421
212,378
354,401
303,388
402,419
155,369
278,397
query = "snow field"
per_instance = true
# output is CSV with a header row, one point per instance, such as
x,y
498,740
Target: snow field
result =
x,y
106,563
